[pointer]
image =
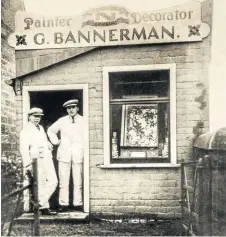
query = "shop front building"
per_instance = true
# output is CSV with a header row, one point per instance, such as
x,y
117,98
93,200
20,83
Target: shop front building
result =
x,y
143,106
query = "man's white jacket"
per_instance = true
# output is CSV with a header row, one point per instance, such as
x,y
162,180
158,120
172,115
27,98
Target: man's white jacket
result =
x,y
71,144
33,144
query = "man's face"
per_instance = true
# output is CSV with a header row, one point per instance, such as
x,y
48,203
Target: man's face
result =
x,y
72,110
35,119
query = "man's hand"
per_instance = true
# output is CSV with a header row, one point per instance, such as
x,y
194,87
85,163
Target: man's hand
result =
x,y
28,171
50,146
58,143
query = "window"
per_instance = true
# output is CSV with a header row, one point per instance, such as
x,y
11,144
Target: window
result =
x,y
139,105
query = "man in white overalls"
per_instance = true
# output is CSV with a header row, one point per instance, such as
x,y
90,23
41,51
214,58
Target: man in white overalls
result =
x,y
34,144
70,154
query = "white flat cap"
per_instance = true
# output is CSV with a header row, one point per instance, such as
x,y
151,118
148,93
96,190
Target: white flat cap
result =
x,y
70,103
35,111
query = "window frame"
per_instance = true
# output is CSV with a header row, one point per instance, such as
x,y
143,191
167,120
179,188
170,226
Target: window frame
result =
x,y
172,116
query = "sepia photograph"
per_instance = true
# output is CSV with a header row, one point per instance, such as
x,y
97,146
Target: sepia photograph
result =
x,y
113,118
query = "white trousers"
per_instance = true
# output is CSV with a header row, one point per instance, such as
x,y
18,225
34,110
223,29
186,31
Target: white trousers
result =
x,y
64,177
47,181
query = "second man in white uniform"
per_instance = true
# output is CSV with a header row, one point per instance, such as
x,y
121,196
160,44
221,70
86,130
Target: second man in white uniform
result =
x,y
70,154
34,144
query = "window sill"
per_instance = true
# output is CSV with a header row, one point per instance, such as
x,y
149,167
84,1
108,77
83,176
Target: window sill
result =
x,y
149,165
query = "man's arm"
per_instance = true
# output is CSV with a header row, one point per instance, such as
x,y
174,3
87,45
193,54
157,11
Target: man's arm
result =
x,y
52,132
24,149
49,144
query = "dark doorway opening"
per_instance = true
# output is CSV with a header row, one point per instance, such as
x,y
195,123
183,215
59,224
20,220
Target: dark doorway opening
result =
x,y
52,104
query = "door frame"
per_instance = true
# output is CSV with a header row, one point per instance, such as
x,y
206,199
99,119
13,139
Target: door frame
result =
x,y
85,89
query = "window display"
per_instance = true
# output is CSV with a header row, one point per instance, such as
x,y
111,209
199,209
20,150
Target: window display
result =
x,y
139,116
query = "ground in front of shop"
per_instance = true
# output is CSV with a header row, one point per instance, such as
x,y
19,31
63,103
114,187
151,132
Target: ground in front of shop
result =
x,y
102,228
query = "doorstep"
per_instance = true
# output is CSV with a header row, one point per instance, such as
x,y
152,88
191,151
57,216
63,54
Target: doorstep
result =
x,y
64,216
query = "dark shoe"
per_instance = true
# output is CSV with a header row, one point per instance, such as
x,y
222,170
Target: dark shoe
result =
x,y
62,209
78,208
47,212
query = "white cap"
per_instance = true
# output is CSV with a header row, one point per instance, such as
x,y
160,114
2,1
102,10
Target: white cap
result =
x,y
70,103
35,111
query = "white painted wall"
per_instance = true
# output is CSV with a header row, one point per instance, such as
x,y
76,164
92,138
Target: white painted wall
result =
x,y
218,67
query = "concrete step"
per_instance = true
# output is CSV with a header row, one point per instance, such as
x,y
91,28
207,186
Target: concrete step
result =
x,y
75,216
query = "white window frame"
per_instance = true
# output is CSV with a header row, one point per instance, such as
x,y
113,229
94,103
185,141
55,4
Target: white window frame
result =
x,y
106,106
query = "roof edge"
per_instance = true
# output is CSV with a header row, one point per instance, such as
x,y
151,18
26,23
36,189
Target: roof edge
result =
x,y
11,81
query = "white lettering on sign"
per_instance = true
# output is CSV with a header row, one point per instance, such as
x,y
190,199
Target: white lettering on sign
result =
x,y
110,25
57,22
166,16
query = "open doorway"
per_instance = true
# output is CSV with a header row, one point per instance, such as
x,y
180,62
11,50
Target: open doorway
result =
x,y
51,98
51,102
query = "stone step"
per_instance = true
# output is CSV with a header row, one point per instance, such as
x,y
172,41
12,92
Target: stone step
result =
x,y
75,216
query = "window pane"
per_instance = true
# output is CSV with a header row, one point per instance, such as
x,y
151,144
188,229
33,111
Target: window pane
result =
x,y
145,83
115,133
163,130
150,122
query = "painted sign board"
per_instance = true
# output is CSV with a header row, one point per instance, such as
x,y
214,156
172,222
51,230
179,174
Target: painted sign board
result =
x,y
110,25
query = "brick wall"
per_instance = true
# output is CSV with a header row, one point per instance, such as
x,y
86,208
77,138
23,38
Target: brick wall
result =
x,y
8,111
